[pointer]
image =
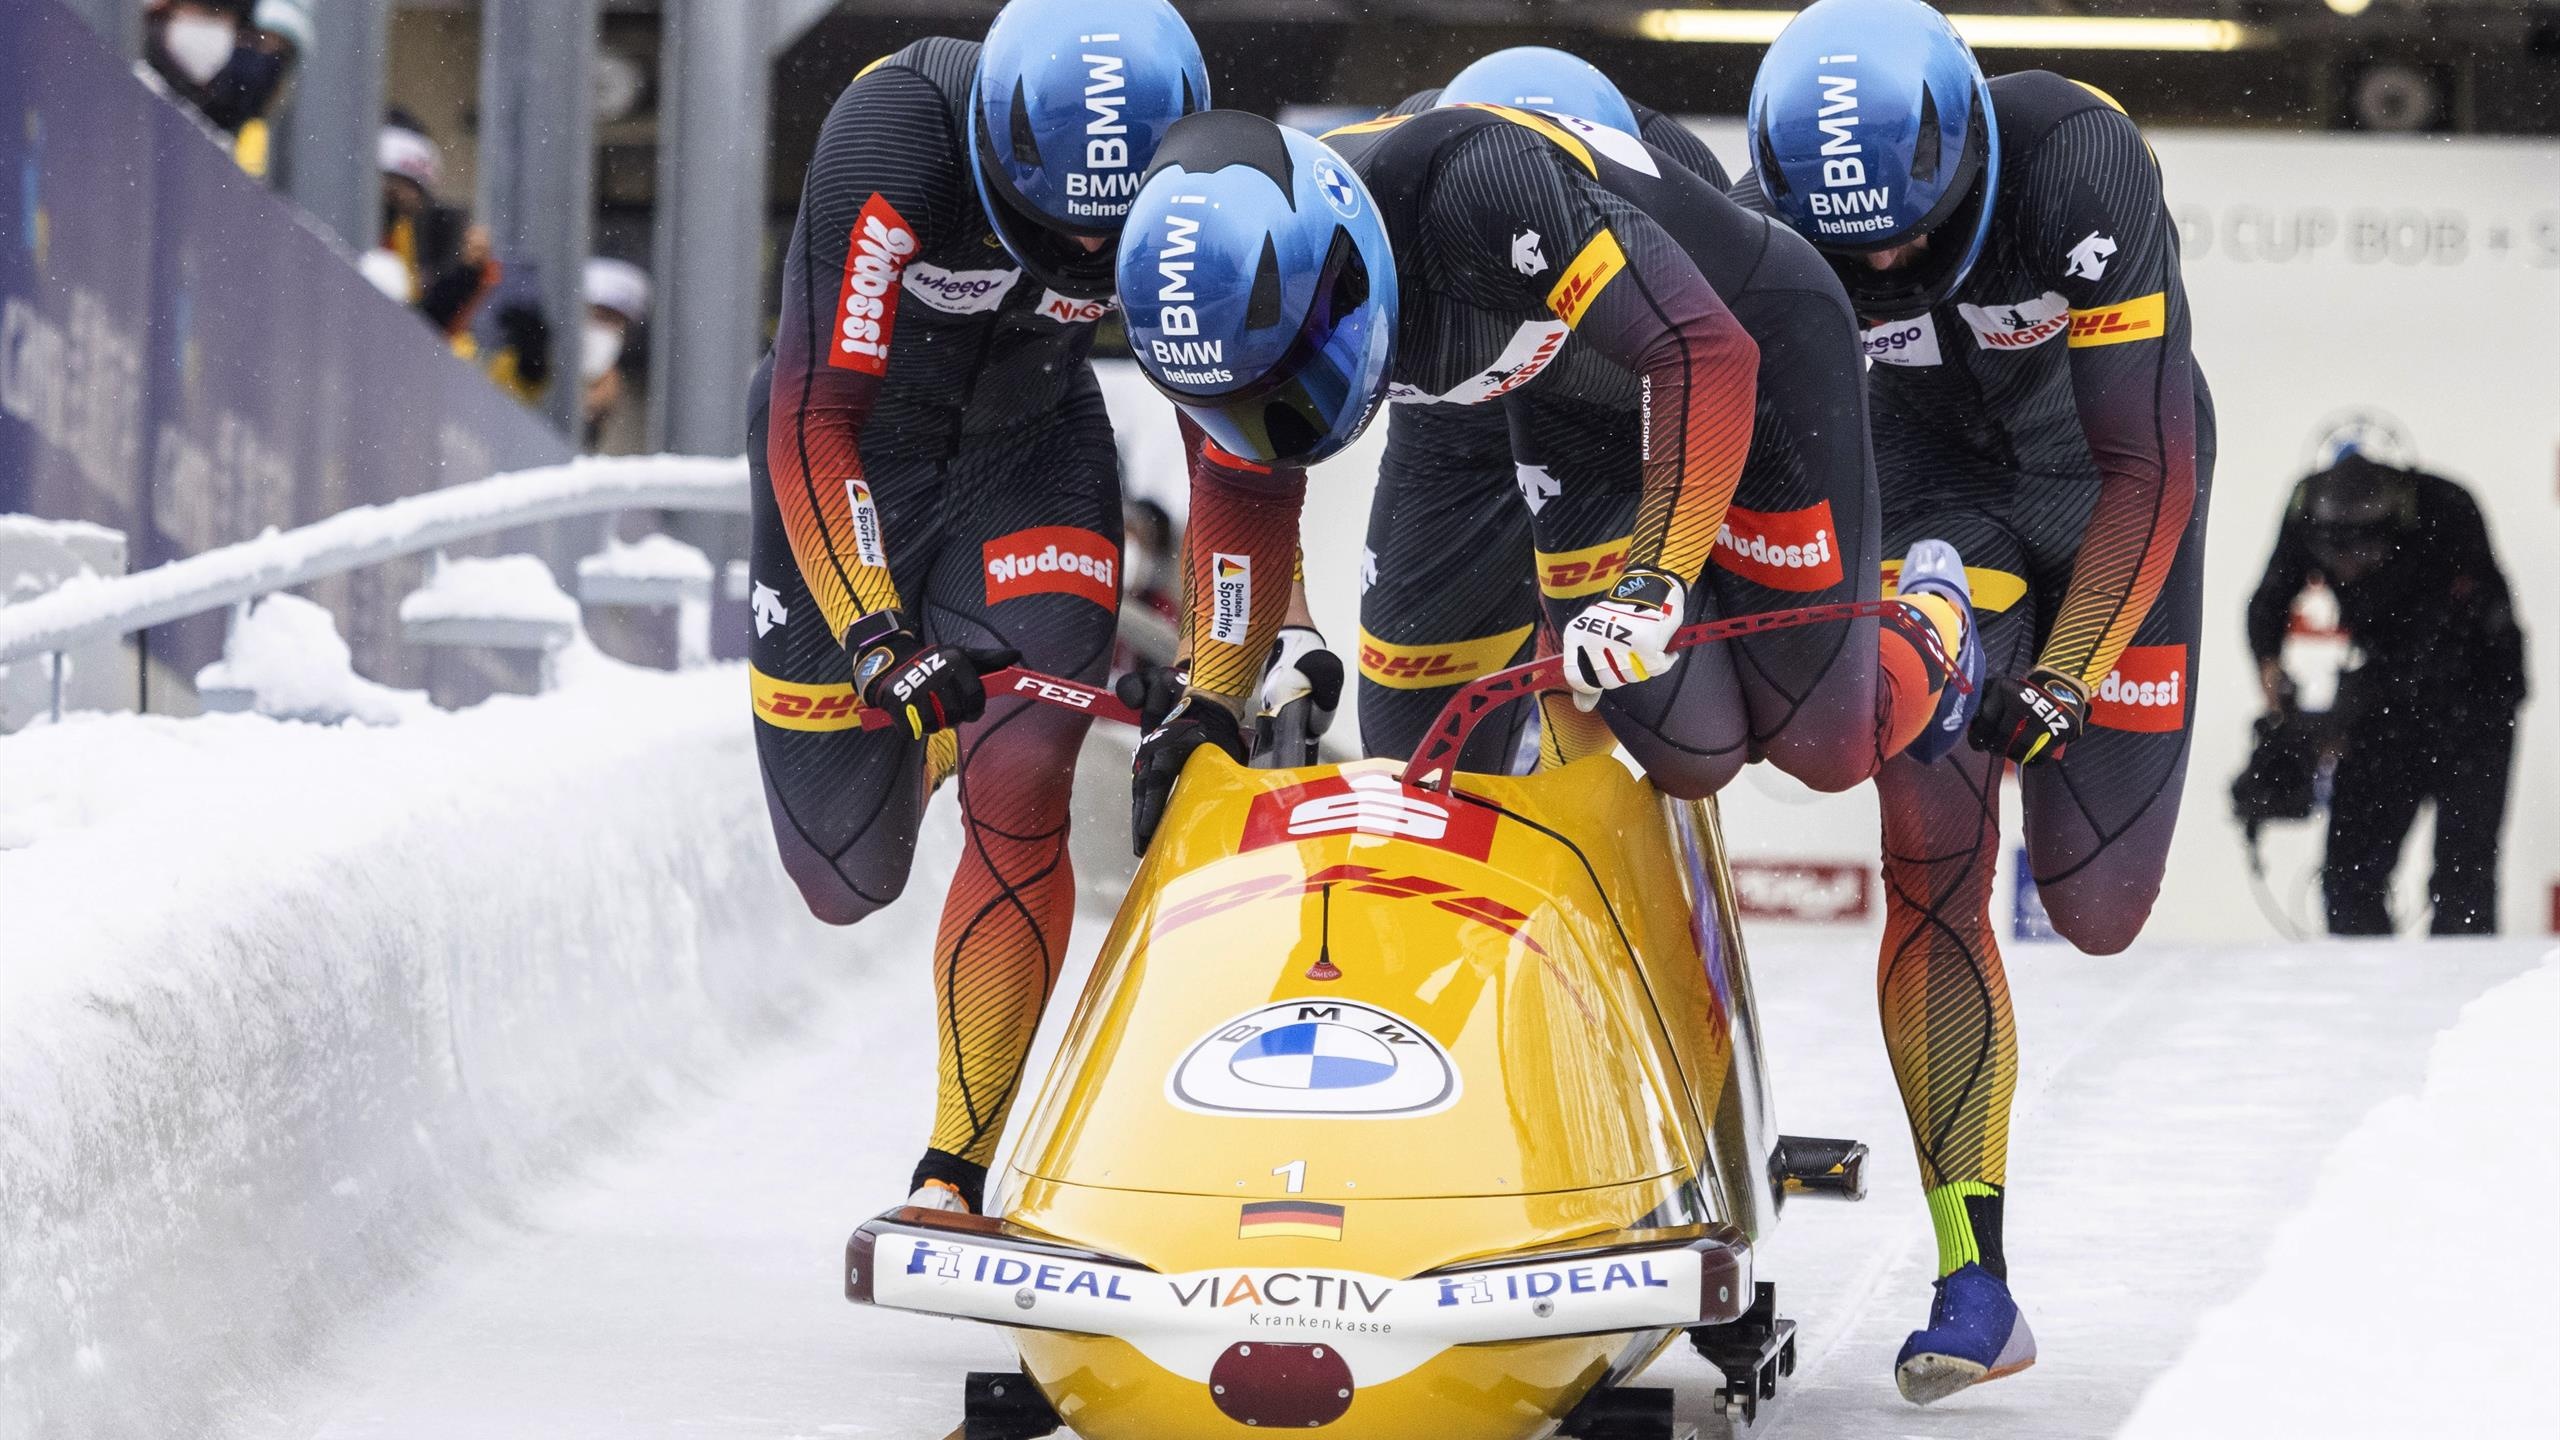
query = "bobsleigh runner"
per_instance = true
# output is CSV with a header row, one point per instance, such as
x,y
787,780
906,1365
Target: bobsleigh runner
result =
x,y
1419,1104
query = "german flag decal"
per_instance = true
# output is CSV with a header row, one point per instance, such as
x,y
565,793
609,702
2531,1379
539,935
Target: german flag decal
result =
x,y
1588,275
1306,1219
2145,318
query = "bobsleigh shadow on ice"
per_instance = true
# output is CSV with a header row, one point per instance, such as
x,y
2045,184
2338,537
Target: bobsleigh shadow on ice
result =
x,y
1389,1111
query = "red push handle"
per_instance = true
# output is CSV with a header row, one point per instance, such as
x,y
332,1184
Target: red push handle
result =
x,y
1437,756
1032,685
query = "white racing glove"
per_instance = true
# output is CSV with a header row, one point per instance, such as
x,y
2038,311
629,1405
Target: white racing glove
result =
x,y
1626,638
1301,665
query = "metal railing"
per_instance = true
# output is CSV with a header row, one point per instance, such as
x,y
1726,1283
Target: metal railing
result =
x,y
87,611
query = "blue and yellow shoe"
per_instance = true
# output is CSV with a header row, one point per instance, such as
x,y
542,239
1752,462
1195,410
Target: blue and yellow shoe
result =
x,y
1975,1333
1932,567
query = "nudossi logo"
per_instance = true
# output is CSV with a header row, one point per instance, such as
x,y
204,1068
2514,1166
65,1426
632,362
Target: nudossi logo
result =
x,y
1841,206
2145,692
1053,559
1782,549
867,302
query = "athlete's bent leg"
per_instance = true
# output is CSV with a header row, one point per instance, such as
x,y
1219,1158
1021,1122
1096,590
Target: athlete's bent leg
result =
x,y
2099,819
844,802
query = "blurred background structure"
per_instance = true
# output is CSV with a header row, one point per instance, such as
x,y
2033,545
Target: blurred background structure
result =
x,y
582,205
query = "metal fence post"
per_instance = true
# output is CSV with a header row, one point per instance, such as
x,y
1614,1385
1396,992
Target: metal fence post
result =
x,y
537,163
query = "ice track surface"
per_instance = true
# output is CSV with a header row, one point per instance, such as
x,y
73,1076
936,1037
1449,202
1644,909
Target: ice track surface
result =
x,y
2193,1124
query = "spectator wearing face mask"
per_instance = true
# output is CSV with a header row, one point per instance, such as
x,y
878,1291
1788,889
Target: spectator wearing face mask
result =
x,y
432,256
228,59
617,294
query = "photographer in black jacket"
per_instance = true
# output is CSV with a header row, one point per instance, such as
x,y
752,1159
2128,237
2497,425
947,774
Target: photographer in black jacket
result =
x,y
2429,710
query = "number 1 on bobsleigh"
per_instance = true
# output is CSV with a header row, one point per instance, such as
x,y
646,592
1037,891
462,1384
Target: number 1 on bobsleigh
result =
x,y
1397,1104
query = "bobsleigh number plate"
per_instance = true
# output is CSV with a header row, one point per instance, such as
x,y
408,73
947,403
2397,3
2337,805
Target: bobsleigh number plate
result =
x,y
1385,1327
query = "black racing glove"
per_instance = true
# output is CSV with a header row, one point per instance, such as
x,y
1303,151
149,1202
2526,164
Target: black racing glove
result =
x,y
2030,720
1161,755
1153,691
927,687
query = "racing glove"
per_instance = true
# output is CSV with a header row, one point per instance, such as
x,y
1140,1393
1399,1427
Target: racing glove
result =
x,y
925,687
1153,691
2030,720
1194,722
1301,666
1626,638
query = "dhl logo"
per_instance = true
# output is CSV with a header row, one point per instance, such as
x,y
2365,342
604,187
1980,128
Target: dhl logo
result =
x,y
1588,275
1569,574
1357,880
794,706
1428,667
2146,318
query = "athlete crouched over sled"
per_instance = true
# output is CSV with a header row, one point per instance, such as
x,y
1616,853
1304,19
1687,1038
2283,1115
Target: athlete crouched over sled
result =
x,y
937,495
2035,402
1269,280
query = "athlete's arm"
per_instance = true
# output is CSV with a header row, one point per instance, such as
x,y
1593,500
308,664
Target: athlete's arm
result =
x,y
1628,290
1239,566
2096,221
877,184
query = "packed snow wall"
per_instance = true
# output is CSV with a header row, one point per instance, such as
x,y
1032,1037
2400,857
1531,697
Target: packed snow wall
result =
x,y
281,1005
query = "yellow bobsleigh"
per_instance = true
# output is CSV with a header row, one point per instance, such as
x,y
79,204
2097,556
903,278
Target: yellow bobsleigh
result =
x,y
1390,1110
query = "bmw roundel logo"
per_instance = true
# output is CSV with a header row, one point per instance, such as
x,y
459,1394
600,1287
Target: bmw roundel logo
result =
x,y
1339,192
1315,1058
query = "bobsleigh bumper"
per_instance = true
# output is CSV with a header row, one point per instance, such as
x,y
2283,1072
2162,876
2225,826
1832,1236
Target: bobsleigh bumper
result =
x,y
1296,1345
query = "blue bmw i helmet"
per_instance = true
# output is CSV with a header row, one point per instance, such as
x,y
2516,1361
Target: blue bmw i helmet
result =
x,y
1071,100
1871,125
1259,287
1534,77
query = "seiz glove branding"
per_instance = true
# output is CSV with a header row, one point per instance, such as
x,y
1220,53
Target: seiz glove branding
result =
x,y
1153,691
926,687
1626,638
1302,668
1195,722
2030,720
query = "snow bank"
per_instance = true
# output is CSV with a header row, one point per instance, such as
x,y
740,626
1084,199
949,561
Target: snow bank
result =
x,y
495,587
652,557
286,659
2417,1285
280,1004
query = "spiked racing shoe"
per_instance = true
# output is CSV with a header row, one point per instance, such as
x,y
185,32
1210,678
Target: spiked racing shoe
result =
x,y
1932,567
1976,1333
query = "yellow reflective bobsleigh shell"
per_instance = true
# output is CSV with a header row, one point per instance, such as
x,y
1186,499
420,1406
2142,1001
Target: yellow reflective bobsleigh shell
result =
x,y
1346,1041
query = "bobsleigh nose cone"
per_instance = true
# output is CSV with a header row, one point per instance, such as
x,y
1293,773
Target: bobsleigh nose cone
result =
x,y
1294,1387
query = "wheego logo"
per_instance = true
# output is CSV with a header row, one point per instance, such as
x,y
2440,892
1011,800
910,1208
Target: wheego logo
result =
x,y
1053,559
2140,319
2146,692
1782,549
1904,342
1094,191
1315,1058
960,292
1842,206
867,302
1231,593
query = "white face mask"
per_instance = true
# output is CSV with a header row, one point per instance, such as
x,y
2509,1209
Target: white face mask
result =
x,y
598,349
199,45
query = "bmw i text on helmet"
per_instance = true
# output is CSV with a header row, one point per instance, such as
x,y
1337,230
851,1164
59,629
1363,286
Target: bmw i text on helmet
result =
x,y
1071,100
1535,77
1870,127
1259,288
